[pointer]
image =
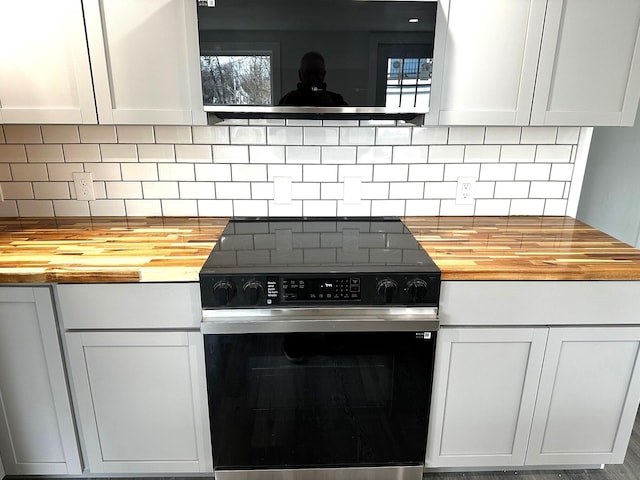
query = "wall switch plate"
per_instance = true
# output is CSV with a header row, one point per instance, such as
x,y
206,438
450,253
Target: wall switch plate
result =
x,y
465,191
83,183
282,190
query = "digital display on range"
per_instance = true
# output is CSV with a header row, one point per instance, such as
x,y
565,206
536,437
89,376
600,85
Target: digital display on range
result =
x,y
320,289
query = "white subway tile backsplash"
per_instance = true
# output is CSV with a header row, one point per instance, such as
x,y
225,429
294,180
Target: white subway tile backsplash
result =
x,y
9,208
430,136
568,135
555,207
331,191
538,135
293,209
442,190
450,207
422,207
172,134
193,153
81,153
266,154
410,154
374,154
235,121
139,171
352,191
546,190
319,208
44,153
218,172
156,153
98,134
2,135
143,208
365,172
17,190
538,171
482,154
502,135
446,154
262,190
380,208
248,135
51,190
561,171
267,121
453,170
35,208
160,190
22,134
500,171
230,153
123,190
197,190
134,134
29,173
321,135
60,134
284,135
99,188
339,155
298,122
305,191
526,207
492,206
512,190
215,208
360,209
175,172
5,172
250,208
431,172
517,153
104,171
233,190
406,190
210,135
180,208
13,154
119,153
553,153
320,173
306,154
340,123
71,208
248,173
393,136
375,191
390,173
357,136
466,135
484,189
293,171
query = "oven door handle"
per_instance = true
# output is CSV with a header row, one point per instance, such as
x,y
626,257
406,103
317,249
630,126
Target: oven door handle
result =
x,y
291,320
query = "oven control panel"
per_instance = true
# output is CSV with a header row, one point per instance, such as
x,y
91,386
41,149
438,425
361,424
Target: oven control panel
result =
x,y
309,290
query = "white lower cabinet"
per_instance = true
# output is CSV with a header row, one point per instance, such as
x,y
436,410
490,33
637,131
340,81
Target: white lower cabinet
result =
x,y
37,434
484,388
141,400
533,396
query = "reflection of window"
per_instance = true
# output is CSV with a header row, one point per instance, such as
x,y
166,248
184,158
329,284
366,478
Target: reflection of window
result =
x,y
408,82
236,79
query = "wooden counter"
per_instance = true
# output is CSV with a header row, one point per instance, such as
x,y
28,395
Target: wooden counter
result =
x,y
100,250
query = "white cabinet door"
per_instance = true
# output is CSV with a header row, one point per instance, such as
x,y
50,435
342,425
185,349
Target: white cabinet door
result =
x,y
588,396
484,392
145,61
44,65
141,399
491,54
37,435
589,71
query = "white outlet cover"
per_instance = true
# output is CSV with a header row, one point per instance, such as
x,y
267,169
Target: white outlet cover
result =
x,y
466,191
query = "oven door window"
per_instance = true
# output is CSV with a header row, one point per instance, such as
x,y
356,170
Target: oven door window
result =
x,y
308,400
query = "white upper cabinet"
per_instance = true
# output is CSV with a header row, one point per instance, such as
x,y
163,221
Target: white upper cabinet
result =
x,y
44,66
145,61
589,70
490,61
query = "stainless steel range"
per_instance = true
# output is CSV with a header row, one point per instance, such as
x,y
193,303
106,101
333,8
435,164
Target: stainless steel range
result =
x,y
319,341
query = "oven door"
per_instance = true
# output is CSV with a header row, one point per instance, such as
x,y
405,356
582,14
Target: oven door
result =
x,y
313,399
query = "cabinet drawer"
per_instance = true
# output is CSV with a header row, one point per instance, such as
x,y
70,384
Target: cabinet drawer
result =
x,y
129,305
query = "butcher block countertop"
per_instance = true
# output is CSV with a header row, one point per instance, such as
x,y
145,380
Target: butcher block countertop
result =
x,y
111,250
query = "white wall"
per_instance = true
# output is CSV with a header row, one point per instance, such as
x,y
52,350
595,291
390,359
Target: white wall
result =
x,y
229,169
610,199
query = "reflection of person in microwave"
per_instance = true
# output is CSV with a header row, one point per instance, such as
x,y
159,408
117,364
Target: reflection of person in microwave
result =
x,y
312,90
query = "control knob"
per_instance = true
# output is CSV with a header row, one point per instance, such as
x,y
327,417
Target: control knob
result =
x,y
223,291
252,291
416,289
386,289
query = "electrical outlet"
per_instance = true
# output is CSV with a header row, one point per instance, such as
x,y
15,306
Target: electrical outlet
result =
x,y
83,183
465,191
